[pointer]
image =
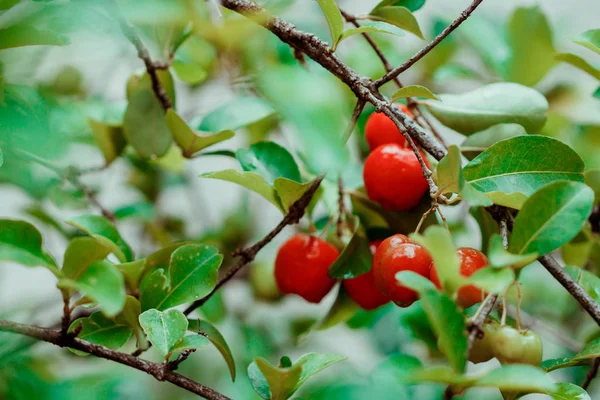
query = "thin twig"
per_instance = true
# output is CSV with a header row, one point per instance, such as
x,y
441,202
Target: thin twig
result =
x,y
430,46
593,371
173,365
341,209
248,254
66,317
157,370
360,104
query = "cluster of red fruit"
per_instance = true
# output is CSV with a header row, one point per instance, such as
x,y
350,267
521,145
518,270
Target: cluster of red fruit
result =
x,y
303,261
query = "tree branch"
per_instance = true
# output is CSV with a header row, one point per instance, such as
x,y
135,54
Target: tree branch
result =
x,y
157,370
248,254
593,371
421,53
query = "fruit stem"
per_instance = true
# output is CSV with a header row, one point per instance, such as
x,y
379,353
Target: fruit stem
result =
x,y
519,298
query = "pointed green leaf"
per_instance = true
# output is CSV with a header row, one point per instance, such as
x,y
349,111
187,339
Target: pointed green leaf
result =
x,y
187,139
569,391
145,126
493,280
141,80
271,382
399,16
109,138
586,279
448,173
589,351
99,329
413,91
513,169
249,180
20,35
370,27
489,105
579,63
190,342
164,329
189,72
412,5
480,141
217,340
334,18
236,114
448,324
80,253
500,258
355,259
290,191
414,281
103,283
590,39
105,232
558,363
269,160
551,217
21,242
313,363
192,274
529,60
518,378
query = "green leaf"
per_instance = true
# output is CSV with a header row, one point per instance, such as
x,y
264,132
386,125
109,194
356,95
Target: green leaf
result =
x,y
313,363
412,5
109,138
551,217
518,378
513,169
436,374
478,142
290,191
569,391
187,139
164,329
414,281
370,27
438,242
529,60
592,179
579,63
399,16
499,257
192,274
355,259
249,180
341,310
190,342
25,35
590,39
334,18
493,280
586,279
236,114
105,232
558,363
217,340
1,152
596,93
99,329
21,242
448,173
489,105
103,283
589,351
448,324
413,91
145,126
269,160
189,72
141,80
80,253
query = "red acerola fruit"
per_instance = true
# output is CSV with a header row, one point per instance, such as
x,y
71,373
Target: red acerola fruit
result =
x,y
397,253
301,267
362,289
380,129
394,178
470,260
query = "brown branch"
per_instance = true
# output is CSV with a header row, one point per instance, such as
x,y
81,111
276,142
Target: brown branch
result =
x,y
157,370
173,365
360,105
248,254
593,371
65,321
430,46
151,66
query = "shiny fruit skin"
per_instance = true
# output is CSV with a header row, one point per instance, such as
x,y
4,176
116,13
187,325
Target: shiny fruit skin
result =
x,y
396,254
362,289
301,267
511,346
380,129
483,349
471,260
394,178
